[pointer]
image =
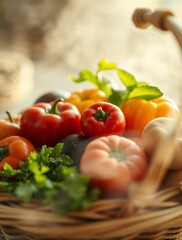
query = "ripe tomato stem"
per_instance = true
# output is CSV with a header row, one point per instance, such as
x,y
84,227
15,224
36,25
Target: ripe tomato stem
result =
x,y
3,152
10,117
53,109
101,115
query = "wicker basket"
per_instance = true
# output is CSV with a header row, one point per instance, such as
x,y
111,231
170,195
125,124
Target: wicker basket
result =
x,y
160,218
150,211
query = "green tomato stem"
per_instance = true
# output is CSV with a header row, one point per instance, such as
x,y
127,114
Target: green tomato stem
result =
x,y
3,152
100,114
9,117
53,109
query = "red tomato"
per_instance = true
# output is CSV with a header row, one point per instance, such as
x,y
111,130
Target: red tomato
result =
x,y
139,112
113,163
102,119
49,123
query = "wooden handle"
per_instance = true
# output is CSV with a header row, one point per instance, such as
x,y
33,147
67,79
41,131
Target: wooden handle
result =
x,y
163,20
162,158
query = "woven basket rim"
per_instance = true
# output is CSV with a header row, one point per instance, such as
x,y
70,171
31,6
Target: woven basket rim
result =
x,y
104,219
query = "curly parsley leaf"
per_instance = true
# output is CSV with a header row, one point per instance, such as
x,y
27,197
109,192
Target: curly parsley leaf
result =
x,y
8,172
73,194
47,175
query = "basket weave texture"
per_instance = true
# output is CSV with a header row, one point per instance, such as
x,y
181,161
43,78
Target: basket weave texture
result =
x,y
119,218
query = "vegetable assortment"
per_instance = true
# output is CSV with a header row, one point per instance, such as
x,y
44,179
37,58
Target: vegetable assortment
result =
x,y
91,144
139,101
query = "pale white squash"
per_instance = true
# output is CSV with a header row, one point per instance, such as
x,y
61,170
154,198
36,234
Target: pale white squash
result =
x,y
152,134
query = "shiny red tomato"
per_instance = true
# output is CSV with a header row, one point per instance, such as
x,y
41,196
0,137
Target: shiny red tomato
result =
x,y
102,119
49,123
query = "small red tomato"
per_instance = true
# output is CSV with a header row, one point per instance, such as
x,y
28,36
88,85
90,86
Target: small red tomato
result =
x,y
113,163
101,119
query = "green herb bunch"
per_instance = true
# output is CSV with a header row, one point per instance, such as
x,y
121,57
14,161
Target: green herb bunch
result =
x,y
133,88
48,175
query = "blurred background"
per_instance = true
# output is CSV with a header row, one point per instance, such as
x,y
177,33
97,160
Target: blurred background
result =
x,y
58,38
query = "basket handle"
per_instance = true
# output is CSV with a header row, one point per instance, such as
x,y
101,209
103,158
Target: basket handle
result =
x,y
162,20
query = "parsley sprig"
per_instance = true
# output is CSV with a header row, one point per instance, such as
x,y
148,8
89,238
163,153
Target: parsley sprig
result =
x,y
48,175
133,88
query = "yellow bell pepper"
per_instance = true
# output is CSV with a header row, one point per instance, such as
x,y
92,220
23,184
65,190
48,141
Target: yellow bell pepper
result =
x,y
83,98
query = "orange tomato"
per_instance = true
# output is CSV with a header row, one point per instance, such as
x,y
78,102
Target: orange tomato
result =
x,y
84,98
14,149
9,126
139,112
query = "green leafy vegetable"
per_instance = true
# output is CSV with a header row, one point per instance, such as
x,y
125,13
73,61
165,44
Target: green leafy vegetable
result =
x,y
104,65
8,172
145,92
128,80
48,176
133,88
85,75
3,152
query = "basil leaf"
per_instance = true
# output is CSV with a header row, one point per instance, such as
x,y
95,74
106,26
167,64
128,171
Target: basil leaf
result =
x,y
85,75
104,65
116,96
145,92
128,79
104,85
